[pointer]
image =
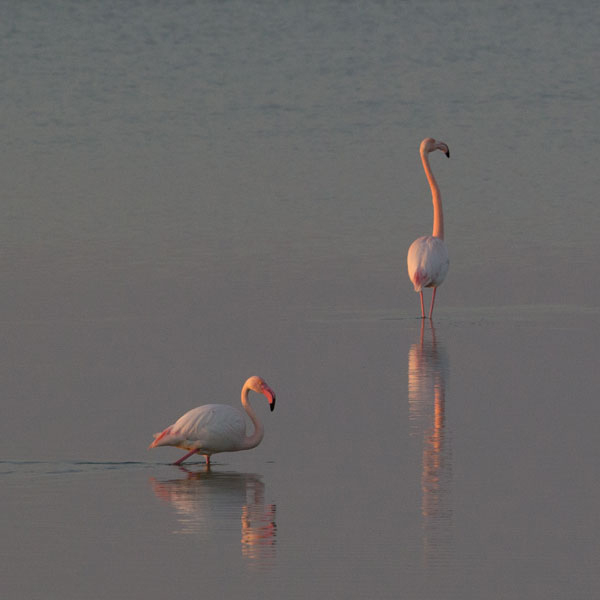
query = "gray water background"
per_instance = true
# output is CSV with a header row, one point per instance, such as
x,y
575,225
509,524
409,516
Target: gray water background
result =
x,y
194,192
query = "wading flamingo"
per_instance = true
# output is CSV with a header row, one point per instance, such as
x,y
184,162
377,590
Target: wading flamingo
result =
x,y
427,258
213,428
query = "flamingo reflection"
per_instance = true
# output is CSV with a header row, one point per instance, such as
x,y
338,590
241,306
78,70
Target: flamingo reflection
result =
x,y
428,371
207,503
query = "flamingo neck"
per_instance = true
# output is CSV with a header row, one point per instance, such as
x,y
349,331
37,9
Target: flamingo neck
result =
x,y
438,215
251,441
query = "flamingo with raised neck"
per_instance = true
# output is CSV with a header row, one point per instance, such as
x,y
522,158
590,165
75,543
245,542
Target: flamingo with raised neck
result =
x,y
427,258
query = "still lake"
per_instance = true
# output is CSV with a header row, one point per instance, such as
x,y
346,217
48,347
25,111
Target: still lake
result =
x,y
195,192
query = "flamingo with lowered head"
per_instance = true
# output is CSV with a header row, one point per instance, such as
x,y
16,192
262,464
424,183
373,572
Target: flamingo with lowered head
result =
x,y
427,258
213,428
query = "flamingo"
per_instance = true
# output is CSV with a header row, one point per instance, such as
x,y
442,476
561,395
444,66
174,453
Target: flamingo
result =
x,y
213,428
427,258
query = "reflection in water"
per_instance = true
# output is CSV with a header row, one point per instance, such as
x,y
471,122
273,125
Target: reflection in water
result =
x,y
428,371
208,504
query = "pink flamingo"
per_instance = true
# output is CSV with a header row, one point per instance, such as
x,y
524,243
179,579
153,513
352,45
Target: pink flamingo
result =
x,y
427,258
213,428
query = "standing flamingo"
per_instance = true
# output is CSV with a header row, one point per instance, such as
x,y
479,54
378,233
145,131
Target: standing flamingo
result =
x,y
213,428
427,258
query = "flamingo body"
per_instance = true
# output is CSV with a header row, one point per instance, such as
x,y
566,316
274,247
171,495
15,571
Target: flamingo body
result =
x,y
427,262
427,259
213,428
210,427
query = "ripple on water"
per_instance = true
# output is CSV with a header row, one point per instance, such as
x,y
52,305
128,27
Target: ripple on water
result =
x,y
28,467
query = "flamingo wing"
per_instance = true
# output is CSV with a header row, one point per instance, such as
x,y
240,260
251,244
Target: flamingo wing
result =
x,y
211,427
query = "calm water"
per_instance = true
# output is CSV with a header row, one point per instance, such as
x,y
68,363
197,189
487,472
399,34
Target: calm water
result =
x,y
196,192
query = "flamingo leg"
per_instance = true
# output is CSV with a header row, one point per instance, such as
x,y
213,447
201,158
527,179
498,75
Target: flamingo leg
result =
x,y
422,305
208,460
432,302
178,462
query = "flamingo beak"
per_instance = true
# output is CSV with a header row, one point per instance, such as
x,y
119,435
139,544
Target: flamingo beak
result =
x,y
447,153
270,396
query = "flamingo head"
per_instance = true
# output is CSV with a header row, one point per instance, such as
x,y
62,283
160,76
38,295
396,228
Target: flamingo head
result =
x,y
260,386
429,145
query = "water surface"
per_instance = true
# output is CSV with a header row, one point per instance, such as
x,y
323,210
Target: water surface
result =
x,y
196,193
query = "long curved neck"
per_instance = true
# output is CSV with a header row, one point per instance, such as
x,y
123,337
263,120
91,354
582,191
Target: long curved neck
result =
x,y
438,215
251,441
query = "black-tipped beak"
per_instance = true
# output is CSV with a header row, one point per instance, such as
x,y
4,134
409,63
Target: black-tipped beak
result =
x,y
270,395
447,153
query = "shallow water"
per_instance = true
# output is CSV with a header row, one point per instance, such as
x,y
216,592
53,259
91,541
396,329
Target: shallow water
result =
x,y
198,193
